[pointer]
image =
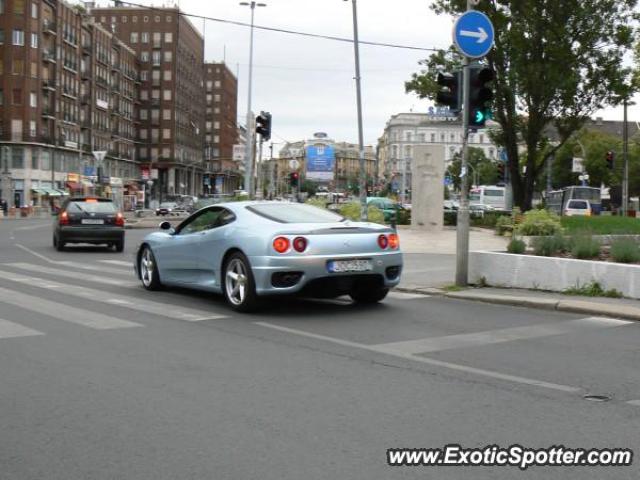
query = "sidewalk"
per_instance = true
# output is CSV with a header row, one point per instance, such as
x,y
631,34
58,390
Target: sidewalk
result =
x,y
430,268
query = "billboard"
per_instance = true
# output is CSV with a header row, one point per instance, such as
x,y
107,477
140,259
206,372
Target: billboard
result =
x,y
320,162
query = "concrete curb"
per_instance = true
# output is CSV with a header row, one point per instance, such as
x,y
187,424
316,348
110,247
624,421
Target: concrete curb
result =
x,y
561,305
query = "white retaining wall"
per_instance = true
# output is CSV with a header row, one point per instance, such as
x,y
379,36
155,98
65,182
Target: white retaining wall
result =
x,y
550,273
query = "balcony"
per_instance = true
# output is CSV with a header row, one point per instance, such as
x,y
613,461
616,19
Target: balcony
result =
x,y
48,112
115,88
85,74
49,85
115,67
86,49
67,118
156,63
49,26
49,56
72,66
67,92
85,99
101,57
86,123
101,81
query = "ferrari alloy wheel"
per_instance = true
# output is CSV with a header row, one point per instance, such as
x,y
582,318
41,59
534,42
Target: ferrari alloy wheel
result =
x,y
239,285
149,270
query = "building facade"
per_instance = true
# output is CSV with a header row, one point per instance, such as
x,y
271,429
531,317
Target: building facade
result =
x,y
404,131
172,95
346,166
222,173
67,88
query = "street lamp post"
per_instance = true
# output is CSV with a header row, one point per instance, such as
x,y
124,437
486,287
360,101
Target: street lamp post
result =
x,y
363,174
248,156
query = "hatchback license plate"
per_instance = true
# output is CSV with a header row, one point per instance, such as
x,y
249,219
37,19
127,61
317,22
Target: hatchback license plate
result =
x,y
92,221
337,266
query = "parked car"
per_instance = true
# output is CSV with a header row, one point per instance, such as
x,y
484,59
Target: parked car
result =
x,y
578,208
247,250
166,208
89,220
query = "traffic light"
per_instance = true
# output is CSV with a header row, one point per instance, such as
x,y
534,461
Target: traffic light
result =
x,y
610,158
450,94
294,178
263,125
480,95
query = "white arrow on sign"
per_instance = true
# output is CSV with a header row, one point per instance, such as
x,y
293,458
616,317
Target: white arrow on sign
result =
x,y
99,155
481,34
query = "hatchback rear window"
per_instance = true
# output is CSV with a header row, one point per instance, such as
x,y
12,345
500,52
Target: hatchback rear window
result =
x,y
91,206
578,204
294,213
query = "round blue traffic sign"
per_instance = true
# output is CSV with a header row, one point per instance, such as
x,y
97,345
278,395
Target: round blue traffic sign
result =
x,y
473,34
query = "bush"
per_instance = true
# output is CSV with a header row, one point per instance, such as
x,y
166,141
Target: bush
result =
x,y
540,223
504,224
516,245
451,218
548,246
489,220
585,246
351,211
625,250
404,217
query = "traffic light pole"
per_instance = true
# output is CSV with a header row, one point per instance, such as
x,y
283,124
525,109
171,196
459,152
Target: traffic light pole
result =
x,y
462,229
625,154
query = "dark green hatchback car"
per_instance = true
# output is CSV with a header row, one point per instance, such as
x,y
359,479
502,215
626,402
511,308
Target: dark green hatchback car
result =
x,y
389,207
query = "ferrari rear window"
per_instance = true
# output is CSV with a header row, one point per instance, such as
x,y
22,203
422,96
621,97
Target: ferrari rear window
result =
x,y
294,213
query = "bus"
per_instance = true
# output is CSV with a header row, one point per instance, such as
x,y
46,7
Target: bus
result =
x,y
491,195
557,199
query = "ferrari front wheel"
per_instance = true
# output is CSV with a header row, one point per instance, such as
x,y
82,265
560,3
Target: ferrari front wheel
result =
x,y
239,284
148,269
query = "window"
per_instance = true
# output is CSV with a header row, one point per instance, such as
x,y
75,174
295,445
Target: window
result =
x,y
157,38
16,129
156,58
144,56
32,128
1,98
166,133
17,157
34,10
167,75
216,98
145,19
216,125
1,36
168,37
144,75
134,37
294,213
123,19
33,99
144,95
18,67
18,37
166,94
145,37
481,138
157,18
34,40
134,19
144,114
168,56
217,84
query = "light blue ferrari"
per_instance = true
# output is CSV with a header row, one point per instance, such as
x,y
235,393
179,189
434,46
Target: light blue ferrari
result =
x,y
247,250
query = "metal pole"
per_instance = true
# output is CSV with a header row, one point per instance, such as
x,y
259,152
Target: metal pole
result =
x,y
625,155
462,229
260,173
248,157
404,182
363,173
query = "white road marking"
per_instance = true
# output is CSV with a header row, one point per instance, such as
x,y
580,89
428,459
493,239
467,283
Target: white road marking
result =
x,y
41,257
634,402
79,316
11,330
428,361
406,295
75,275
133,303
477,339
98,268
118,262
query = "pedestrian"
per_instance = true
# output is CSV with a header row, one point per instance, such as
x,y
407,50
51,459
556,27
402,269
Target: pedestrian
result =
x,y
5,207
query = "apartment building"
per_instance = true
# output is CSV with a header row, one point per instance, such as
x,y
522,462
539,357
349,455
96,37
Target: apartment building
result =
x,y
67,88
222,173
171,114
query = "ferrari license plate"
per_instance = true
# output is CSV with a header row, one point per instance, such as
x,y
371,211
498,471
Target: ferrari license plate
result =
x,y
337,266
92,221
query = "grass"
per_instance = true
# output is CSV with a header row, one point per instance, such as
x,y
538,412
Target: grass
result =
x,y
593,289
452,288
625,250
602,225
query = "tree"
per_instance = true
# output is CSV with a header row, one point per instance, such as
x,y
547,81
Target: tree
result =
x,y
485,169
556,63
309,187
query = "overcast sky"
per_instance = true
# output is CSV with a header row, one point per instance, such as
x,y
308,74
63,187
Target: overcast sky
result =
x,y
307,83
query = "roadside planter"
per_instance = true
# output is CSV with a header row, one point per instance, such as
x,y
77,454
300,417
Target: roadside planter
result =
x,y
551,273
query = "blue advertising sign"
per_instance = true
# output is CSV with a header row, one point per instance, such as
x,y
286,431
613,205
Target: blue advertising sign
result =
x,y
218,186
320,162
473,34
89,171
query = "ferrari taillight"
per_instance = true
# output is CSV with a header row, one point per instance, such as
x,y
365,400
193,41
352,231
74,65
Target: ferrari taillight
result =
x,y
63,218
300,244
281,244
383,241
394,241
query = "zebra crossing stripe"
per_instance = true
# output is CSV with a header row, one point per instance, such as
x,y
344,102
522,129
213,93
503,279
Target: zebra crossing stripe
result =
x,y
12,330
129,265
133,303
70,314
75,275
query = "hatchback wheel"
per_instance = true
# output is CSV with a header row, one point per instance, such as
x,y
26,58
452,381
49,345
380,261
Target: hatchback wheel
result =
x,y
239,284
119,245
57,243
149,270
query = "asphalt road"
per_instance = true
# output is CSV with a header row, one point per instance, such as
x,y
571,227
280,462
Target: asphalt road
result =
x,y
100,379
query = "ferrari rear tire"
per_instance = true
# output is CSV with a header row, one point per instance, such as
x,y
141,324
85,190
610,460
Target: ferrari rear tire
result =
x,y
239,286
368,295
148,269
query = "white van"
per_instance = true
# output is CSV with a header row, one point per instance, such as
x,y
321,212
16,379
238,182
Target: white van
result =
x,y
578,208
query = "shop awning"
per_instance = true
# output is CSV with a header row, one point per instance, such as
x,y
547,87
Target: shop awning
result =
x,y
39,191
52,193
74,186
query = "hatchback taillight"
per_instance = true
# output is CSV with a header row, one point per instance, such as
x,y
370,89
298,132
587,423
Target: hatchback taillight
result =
x,y
383,241
119,219
63,218
300,244
281,244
